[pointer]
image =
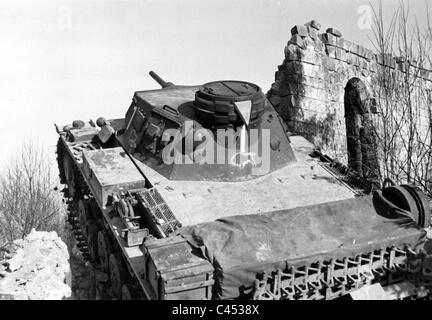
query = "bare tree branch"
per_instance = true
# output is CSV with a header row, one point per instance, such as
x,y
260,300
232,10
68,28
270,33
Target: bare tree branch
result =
x,y
27,196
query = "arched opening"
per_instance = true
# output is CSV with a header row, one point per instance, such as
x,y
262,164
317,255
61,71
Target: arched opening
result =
x,y
360,134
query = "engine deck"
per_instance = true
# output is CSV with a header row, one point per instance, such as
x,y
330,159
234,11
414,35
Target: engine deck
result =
x,y
302,183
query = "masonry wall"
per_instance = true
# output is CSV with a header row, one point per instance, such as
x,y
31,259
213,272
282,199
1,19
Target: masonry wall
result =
x,y
309,87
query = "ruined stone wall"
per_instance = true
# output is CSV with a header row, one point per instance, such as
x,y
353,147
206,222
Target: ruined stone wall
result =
x,y
35,268
43,266
309,87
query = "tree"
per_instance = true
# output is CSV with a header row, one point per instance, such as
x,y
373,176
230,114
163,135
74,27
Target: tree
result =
x,y
28,194
404,97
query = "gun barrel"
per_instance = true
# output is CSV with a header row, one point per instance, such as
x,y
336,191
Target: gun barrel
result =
x,y
159,80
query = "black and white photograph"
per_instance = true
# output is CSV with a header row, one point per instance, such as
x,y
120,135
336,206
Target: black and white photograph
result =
x,y
192,150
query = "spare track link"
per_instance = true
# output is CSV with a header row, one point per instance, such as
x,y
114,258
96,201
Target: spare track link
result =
x,y
336,278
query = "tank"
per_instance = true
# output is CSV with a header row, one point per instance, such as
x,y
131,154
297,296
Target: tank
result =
x,y
199,192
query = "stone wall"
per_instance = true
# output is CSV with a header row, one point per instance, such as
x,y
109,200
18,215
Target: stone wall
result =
x,y
310,84
43,266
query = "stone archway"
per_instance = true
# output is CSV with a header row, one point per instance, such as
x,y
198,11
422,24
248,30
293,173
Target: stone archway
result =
x,y
360,133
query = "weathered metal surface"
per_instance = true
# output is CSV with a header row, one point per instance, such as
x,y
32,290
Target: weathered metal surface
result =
x,y
110,171
215,107
299,184
106,133
174,108
176,273
173,97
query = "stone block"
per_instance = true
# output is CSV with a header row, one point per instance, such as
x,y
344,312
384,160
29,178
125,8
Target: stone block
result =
x,y
300,30
369,55
427,75
329,38
401,67
360,51
288,107
341,54
295,113
365,73
308,43
349,58
331,52
293,52
292,67
379,59
312,71
313,33
319,45
296,67
275,100
312,82
357,61
314,24
277,88
365,64
388,59
297,40
316,105
334,32
310,92
295,78
354,49
340,42
291,101
347,45
331,65
307,56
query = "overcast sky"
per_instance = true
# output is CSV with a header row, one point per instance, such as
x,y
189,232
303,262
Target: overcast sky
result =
x,y
64,60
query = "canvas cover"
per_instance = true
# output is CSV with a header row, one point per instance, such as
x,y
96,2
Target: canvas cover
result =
x,y
240,247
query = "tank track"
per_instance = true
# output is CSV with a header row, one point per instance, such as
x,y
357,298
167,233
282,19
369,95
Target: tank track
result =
x,y
71,201
336,278
83,193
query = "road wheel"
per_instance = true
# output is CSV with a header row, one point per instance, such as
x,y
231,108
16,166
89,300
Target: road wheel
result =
x,y
117,276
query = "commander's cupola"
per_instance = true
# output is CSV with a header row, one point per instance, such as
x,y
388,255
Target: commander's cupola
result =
x,y
229,104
